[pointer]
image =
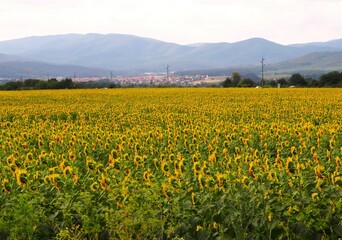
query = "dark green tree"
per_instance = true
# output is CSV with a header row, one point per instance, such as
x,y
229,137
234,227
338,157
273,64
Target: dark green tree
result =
x,y
272,83
282,82
227,83
236,78
66,83
246,82
52,83
41,85
312,82
30,83
13,86
297,80
331,79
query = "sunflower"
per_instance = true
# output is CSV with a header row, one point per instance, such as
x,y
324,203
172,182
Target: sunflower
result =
x,y
171,157
212,157
314,196
111,161
5,185
75,178
291,183
136,161
215,225
337,162
94,186
164,191
220,178
147,175
328,155
62,165
165,167
72,156
318,170
104,182
290,167
196,168
251,171
200,181
66,170
193,198
90,163
25,145
21,176
29,157
10,160
36,175
244,177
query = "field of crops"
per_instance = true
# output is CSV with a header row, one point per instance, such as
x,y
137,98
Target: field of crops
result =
x,y
171,164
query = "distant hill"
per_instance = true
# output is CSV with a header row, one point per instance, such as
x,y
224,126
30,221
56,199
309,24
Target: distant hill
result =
x,y
18,69
312,64
128,53
333,44
9,58
324,61
112,51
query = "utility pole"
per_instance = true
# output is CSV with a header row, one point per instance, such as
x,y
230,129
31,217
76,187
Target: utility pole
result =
x,y
262,71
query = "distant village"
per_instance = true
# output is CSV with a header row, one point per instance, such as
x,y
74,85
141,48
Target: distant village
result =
x,y
170,79
143,80
150,79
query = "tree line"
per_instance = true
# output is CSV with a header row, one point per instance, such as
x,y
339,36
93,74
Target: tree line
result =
x,y
331,79
53,83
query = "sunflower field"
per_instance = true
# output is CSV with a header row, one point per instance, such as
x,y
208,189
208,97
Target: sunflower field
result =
x,y
171,164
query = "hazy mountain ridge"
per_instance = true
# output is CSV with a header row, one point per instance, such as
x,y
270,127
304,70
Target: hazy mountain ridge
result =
x,y
9,58
120,52
312,61
311,64
333,44
26,69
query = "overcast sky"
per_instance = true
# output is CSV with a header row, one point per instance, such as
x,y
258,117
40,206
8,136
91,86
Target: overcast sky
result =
x,y
179,21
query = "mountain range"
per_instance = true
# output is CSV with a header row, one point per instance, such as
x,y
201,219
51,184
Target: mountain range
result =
x,y
99,54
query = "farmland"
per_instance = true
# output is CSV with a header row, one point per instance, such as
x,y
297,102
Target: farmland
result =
x,y
171,163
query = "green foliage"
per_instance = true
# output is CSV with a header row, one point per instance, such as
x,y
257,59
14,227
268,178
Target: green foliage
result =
x,y
331,79
246,82
237,81
282,82
38,84
272,83
20,214
236,78
227,83
297,80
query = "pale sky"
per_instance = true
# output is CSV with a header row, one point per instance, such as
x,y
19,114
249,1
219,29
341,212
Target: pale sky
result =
x,y
179,21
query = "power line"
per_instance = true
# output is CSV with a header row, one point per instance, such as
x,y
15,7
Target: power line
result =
x,y
262,71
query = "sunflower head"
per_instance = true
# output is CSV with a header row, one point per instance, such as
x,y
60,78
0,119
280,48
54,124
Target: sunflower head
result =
x,y
22,177
72,156
94,186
